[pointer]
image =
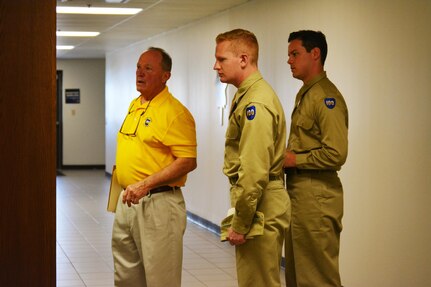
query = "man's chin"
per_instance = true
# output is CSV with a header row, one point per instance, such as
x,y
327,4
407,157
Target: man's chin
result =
x,y
223,80
296,76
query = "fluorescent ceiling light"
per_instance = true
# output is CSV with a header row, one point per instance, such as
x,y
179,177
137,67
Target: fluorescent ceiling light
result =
x,y
77,34
97,10
63,47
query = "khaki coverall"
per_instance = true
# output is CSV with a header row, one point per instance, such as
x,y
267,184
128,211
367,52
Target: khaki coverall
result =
x,y
318,137
254,155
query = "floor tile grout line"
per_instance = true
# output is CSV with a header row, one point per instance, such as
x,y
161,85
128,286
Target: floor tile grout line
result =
x,y
211,264
85,238
73,266
82,191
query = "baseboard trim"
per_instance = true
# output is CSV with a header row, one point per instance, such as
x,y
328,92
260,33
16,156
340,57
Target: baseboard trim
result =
x,y
75,167
214,228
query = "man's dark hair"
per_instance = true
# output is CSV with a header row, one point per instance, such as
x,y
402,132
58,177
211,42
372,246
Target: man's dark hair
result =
x,y
166,59
311,39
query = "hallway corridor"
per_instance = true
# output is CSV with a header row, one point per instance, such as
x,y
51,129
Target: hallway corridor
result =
x,y
84,239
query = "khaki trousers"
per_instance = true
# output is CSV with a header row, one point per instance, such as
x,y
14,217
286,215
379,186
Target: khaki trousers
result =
x,y
258,261
147,241
313,241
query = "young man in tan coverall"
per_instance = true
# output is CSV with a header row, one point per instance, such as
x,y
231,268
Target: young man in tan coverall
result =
x,y
317,148
254,155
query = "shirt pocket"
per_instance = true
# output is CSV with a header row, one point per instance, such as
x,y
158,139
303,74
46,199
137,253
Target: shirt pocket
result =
x,y
232,132
308,133
305,122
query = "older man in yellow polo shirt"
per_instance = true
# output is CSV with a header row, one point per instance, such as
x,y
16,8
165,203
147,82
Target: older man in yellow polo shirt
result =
x,y
156,149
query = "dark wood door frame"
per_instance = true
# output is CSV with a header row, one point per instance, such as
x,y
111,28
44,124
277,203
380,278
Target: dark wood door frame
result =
x,y
27,143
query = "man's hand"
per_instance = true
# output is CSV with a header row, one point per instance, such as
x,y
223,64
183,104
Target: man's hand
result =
x,y
235,238
289,159
134,192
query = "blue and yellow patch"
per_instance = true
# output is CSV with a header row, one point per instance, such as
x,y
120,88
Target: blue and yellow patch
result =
x,y
250,112
330,103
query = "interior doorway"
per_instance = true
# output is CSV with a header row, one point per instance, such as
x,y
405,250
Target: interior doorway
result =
x,y
59,122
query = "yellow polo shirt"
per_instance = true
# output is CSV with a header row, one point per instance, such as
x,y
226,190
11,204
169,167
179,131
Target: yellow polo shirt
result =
x,y
152,136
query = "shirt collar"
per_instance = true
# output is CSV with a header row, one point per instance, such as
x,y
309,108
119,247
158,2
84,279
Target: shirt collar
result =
x,y
246,84
156,101
313,81
161,97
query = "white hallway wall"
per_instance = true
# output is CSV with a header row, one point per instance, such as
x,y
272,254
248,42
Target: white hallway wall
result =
x,y
84,123
379,59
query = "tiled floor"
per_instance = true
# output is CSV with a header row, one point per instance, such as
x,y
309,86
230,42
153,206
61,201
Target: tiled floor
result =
x,y
84,239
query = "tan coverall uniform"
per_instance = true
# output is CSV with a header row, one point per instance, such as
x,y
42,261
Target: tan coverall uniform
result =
x,y
254,156
318,137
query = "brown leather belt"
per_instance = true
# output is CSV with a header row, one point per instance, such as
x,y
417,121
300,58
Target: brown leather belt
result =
x,y
163,188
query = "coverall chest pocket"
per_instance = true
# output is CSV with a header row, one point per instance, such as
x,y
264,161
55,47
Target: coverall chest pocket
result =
x,y
308,132
232,131
305,122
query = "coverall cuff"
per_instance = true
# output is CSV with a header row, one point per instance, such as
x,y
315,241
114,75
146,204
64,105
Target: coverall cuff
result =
x,y
240,226
301,159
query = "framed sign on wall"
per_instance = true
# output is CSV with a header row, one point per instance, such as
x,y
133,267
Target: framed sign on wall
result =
x,y
72,96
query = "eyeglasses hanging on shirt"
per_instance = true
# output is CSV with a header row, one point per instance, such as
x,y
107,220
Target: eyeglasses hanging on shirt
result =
x,y
131,122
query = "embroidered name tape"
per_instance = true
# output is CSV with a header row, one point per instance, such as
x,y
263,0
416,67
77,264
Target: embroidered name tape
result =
x,y
330,103
250,112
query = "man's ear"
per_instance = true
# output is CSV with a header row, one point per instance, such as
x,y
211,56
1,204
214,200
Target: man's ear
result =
x,y
244,60
166,76
315,52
